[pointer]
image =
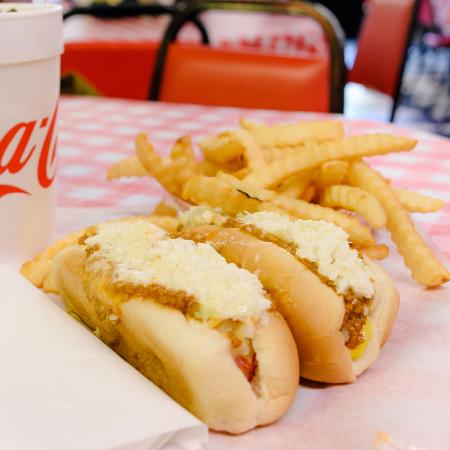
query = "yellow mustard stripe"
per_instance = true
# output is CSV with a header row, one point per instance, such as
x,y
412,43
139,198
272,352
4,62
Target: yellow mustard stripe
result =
x,y
358,351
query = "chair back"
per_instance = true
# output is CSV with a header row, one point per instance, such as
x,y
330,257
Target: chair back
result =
x,y
244,78
383,44
221,77
111,69
117,68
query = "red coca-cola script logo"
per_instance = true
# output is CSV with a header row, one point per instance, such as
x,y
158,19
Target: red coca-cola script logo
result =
x,y
21,135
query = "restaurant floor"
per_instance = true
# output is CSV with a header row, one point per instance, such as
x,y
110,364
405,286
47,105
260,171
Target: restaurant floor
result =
x,y
425,102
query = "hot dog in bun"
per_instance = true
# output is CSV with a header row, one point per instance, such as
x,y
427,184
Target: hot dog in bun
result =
x,y
200,328
339,304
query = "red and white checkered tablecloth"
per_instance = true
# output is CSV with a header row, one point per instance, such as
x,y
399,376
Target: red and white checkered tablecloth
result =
x,y
406,393
96,132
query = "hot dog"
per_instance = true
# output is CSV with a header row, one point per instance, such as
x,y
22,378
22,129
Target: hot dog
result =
x,y
200,328
339,304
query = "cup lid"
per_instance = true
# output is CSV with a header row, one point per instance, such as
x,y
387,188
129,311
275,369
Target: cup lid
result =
x,y
30,32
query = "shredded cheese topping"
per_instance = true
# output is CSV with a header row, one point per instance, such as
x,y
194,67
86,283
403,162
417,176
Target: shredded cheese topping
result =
x,y
322,243
202,215
140,253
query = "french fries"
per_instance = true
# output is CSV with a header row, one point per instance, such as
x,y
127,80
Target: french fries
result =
x,y
284,135
38,270
158,166
165,209
184,164
415,202
275,153
376,251
425,267
252,152
248,189
357,200
217,193
211,169
352,147
168,223
296,186
224,149
128,167
241,173
227,148
330,173
307,170
309,194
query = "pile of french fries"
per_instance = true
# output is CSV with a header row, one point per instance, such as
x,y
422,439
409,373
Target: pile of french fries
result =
x,y
308,170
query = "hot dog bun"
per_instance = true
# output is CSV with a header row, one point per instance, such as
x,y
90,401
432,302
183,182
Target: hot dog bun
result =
x,y
186,357
313,310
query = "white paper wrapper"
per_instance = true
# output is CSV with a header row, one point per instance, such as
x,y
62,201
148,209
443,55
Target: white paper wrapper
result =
x,y
62,388
401,403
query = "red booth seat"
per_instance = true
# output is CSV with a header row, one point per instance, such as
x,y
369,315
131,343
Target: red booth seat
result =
x,y
212,76
115,69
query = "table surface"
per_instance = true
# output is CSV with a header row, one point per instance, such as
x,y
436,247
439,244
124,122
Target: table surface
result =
x,y
96,132
406,393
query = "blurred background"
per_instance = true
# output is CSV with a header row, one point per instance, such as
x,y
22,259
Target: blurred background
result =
x,y
369,59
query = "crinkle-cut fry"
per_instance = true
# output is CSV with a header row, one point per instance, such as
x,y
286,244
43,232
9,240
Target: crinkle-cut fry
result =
x,y
248,189
276,153
359,234
38,270
167,223
222,149
378,252
252,152
309,193
330,173
293,134
183,147
425,267
184,169
295,186
184,163
310,142
49,284
241,173
128,167
357,200
211,169
250,125
415,202
352,147
272,154
161,167
218,193
164,209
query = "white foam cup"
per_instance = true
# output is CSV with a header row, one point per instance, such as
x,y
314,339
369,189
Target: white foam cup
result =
x,y
30,47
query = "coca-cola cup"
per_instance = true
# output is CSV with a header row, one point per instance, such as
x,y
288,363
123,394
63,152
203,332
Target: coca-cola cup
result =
x,y
30,48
